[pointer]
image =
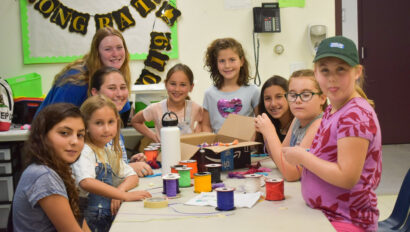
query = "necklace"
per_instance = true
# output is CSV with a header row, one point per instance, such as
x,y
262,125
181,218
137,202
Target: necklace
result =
x,y
175,112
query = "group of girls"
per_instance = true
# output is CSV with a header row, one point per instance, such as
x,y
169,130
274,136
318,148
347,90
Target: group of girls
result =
x,y
46,196
62,131
305,101
230,93
335,150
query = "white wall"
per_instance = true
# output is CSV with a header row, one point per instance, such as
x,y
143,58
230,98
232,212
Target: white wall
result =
x,y
201,22
349,20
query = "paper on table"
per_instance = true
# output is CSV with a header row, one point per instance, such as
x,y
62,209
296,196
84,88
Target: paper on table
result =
x,y
241,200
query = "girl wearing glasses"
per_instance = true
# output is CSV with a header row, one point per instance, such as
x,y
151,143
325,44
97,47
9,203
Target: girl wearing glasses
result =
x,y
343,167
306,103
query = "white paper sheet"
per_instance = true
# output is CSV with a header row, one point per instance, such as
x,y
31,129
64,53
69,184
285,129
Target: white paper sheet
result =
x,y
241,200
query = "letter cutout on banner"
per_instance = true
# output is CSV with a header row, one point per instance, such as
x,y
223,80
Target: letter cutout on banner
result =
x,y
168,13
62,16
79,23
46,7
147,78
144,7
123,18
160,41
156,60
104,20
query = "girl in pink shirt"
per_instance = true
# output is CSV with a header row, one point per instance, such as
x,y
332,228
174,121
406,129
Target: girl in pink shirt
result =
x,y
179,82
343,166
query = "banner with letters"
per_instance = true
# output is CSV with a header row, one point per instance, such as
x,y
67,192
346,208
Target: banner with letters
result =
x,y
57,31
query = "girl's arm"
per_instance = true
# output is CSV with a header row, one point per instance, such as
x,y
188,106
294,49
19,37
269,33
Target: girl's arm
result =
x,y
206,122
345,173
199,118
100,188
58,210
138,122
274,147
141,168
129,182
198,127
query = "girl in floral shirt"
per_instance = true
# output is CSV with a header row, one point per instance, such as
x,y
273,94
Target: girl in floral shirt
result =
x,y
343,166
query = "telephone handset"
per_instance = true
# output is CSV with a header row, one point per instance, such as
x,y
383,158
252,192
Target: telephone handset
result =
x,y
266,18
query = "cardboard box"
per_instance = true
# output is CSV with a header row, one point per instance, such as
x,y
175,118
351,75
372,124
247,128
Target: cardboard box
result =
x,y
231,157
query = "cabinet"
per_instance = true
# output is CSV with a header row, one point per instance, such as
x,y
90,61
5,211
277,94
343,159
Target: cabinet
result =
x,y
10,171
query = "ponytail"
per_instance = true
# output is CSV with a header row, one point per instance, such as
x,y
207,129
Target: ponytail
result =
x,y
359,89
363,95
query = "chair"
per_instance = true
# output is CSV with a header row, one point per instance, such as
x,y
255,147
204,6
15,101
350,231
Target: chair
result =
x,y
405,227
398,220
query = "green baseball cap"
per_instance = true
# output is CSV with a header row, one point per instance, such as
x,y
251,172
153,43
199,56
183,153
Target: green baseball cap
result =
x,y
340,47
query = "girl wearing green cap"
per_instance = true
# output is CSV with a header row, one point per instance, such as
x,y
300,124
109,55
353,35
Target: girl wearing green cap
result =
x,y
343,166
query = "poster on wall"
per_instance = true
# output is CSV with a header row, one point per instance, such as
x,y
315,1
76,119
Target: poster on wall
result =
x,y
60,31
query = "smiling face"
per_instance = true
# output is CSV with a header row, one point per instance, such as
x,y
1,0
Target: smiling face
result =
x,y
229,64
275,101
112,52
115,88
305,111
178,86
337,79
67,139
102,126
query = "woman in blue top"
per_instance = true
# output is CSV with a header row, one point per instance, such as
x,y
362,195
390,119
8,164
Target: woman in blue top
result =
x,y
108,48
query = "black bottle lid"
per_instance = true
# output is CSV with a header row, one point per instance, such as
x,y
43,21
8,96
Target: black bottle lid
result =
x,y
169,119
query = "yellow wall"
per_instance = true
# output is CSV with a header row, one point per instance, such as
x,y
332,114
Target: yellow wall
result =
x,y
201,22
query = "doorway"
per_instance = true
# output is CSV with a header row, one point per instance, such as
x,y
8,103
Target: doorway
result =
x,y
384,49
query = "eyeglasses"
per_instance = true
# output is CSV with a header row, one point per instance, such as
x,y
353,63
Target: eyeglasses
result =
x,y
304,96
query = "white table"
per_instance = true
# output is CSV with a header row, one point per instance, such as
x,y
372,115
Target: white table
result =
x,y
291,214
14,135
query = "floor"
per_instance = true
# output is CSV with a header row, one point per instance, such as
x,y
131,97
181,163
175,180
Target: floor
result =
x,y
396,163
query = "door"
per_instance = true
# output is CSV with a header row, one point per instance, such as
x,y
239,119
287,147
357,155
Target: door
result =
x,y
384,48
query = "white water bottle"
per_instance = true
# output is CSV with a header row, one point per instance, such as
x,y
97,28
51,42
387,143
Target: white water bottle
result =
x,y
170,142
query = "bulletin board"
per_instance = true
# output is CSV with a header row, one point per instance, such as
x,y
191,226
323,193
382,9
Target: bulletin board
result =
x,y
60,31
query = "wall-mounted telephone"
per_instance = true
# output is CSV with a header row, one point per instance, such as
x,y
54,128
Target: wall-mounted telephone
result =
x,y
266,18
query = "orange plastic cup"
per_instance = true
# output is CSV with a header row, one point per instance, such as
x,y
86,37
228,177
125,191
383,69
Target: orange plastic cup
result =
x,y
151,153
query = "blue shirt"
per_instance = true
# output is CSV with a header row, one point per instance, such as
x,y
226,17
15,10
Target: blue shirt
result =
x,y
70,93
123,149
